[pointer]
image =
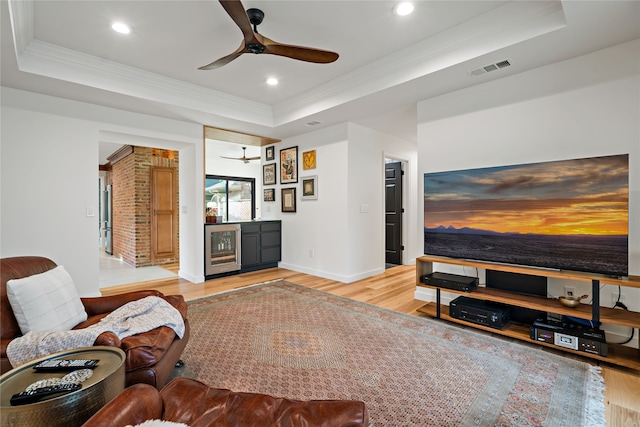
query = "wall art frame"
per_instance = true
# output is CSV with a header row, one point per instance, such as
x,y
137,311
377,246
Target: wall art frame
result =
x,y
270,153
269,174
309,160
288,199
310,187
269,195
289,165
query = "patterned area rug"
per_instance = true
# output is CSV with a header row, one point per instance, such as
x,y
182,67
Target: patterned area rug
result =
x,y
291,341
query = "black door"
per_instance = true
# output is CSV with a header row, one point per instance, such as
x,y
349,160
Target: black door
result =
x,y
393,213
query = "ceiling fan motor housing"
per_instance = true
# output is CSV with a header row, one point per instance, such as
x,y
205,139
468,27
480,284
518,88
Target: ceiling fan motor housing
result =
x,y
255,16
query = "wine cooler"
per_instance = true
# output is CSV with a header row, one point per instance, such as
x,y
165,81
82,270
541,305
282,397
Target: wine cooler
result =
x,y
222,248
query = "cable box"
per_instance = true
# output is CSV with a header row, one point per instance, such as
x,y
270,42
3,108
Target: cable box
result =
x,y
451,281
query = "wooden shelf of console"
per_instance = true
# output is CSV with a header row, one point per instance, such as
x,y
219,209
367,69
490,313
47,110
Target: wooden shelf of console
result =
x,y
618,354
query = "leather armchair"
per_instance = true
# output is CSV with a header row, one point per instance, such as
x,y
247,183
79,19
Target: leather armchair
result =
x,y
194,403
150,356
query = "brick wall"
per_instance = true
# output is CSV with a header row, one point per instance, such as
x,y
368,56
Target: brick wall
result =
x,y
132,205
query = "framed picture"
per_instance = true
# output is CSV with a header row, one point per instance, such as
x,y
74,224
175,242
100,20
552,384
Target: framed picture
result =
x,y
269,174
289,165
310,187
309,160
270,195
288,198
270,153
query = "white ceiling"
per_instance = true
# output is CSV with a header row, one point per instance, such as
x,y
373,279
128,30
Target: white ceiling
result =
x,y
387,63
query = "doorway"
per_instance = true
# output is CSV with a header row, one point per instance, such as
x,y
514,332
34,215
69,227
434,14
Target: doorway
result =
x,y
394,211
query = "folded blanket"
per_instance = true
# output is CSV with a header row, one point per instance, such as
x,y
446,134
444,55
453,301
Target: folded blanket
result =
x,y
130,319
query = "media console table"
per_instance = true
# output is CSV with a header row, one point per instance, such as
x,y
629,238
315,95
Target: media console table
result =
x,y
618,354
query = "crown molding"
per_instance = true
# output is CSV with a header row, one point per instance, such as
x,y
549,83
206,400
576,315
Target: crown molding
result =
x,y
49,60
518,21
53,61
22,23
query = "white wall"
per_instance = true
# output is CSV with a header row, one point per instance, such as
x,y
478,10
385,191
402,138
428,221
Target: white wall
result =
x,y
313,238
341,234
588,106
49,177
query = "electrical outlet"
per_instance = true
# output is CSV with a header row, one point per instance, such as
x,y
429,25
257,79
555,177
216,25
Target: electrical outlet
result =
x,y
614,298
311,253
569,291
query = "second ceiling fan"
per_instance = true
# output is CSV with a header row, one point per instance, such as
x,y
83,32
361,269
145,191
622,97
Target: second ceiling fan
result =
x,y
254,42
244,157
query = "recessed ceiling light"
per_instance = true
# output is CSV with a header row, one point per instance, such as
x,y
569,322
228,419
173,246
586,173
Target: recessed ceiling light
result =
x,y
272,81
403,8
121,28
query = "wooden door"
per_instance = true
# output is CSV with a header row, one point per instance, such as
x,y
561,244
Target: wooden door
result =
x,y
393,213
164,233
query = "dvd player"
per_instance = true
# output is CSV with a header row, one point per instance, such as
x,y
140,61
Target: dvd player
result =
x,y
451,281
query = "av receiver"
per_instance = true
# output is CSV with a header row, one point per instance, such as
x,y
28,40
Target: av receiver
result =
x,y
569,335
451,281
482,312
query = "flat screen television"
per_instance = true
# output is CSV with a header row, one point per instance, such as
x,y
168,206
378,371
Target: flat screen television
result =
x,y
564,215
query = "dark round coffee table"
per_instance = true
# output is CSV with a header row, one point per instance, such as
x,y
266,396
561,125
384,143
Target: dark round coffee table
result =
x,y
71,409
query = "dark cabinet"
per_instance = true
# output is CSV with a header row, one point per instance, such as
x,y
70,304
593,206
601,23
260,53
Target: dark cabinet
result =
x,y
260,245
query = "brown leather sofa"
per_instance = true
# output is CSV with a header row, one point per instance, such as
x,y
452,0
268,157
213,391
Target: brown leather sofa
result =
x,y
150,356
194,403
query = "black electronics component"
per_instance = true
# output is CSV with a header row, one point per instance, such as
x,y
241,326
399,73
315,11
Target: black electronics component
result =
x,y
37,394
451,281
570,335
482,312
65,365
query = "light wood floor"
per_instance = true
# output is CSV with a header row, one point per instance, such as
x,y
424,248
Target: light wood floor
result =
x,y
393,290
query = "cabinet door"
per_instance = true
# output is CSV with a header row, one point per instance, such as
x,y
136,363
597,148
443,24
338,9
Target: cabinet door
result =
x,y
270,238
271,254
250,249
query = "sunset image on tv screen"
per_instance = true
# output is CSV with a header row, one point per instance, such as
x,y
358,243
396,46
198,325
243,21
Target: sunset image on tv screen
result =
x,y
569,214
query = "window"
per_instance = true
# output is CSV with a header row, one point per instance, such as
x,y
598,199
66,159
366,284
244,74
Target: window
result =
x,y
230,198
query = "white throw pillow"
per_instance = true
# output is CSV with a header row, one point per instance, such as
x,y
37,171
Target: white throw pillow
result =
x,y
159,423
46,302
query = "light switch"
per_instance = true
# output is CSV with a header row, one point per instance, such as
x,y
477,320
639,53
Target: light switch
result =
x,y
364,208
90,211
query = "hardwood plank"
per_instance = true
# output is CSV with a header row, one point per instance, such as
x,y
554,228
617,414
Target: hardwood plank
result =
x,y
393,290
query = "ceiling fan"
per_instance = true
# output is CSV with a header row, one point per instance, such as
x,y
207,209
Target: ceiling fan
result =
x,y
244,157
257,43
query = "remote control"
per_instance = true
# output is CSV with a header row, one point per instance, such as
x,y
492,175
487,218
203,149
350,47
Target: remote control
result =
x,y
65,365
32,396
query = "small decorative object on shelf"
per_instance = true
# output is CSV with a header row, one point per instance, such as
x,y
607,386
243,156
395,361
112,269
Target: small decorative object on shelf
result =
x,y
212,215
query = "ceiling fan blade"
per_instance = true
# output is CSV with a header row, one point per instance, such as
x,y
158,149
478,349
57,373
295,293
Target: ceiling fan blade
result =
x,y
225,59
300,53
236,11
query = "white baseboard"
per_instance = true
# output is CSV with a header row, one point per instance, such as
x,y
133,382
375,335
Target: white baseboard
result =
x,y
190,278
331,276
